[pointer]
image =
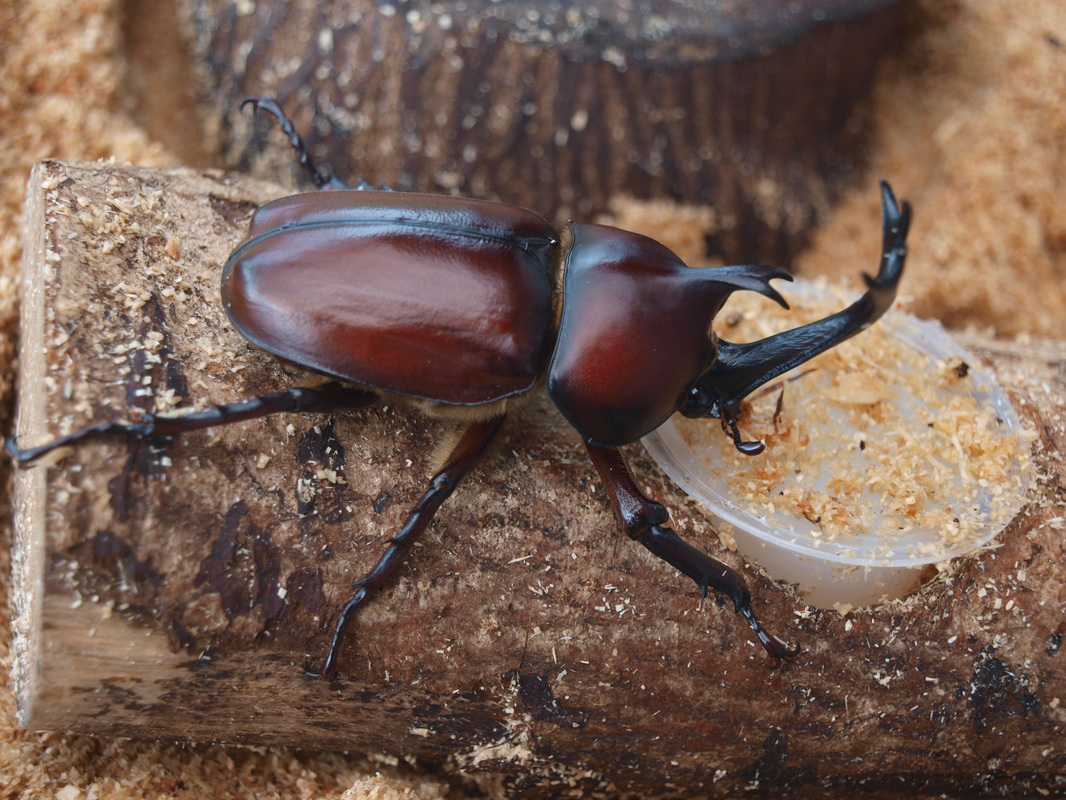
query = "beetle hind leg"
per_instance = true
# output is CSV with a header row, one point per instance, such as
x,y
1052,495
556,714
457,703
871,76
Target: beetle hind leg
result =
x,y
322,177
471,447
643,520
329,396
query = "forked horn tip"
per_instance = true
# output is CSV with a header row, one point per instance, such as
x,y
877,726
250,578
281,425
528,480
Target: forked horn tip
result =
x,y
253,101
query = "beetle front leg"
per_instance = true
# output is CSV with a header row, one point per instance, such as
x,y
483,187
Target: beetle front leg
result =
x,y
642,519
326,397
472,446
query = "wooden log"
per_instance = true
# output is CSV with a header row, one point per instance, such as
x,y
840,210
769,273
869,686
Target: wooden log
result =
x,y
755,108
177,593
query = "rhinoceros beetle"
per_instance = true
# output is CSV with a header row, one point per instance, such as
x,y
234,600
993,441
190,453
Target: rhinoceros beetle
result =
x,y
461,306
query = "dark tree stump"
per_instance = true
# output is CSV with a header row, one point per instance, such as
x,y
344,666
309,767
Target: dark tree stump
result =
x,y
755,107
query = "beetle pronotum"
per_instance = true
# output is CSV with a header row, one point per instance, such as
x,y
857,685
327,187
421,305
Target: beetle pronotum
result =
x,y
484,301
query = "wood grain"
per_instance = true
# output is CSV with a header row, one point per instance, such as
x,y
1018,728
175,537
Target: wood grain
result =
x,y
177,593
754,107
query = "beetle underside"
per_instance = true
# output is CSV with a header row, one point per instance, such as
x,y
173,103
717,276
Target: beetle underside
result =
x,y
725,374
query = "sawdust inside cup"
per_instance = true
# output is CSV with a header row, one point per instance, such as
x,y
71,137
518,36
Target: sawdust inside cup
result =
x,y
886,456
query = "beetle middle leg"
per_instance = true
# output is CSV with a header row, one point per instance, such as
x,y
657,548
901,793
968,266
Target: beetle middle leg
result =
x,y
472,446
643,520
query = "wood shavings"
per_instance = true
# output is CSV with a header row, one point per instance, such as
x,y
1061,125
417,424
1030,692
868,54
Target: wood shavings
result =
x,y
876,437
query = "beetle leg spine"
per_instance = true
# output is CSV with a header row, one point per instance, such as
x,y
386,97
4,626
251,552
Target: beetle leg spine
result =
x,y
709,573
642,519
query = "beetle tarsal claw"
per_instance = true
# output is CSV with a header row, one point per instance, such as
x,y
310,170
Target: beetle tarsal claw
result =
x,y
329,664
24,457
30,455
773,646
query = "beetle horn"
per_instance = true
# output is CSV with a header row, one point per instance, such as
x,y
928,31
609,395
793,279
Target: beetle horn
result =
x,y
742,368
747,277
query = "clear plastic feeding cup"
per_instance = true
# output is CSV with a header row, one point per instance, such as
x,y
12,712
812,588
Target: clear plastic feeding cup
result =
x,y
886,456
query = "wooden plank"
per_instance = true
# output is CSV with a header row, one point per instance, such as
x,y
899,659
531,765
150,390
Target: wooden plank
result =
x,y
178,594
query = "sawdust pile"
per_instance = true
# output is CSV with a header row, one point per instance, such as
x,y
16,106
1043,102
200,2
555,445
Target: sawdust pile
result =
x,y
970,126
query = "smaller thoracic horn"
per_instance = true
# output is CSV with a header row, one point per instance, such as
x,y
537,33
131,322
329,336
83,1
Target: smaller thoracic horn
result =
x,y
742,368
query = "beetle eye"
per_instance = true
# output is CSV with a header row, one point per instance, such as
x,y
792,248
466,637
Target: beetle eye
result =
x,y
696,403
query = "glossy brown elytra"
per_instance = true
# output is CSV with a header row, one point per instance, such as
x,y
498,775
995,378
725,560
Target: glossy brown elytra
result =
x,y
459,305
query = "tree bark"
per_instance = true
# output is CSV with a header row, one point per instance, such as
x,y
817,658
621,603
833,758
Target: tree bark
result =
x,y
178,592
756,108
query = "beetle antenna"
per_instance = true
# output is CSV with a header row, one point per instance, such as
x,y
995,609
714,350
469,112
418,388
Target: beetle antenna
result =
x,y
747,448
321,177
